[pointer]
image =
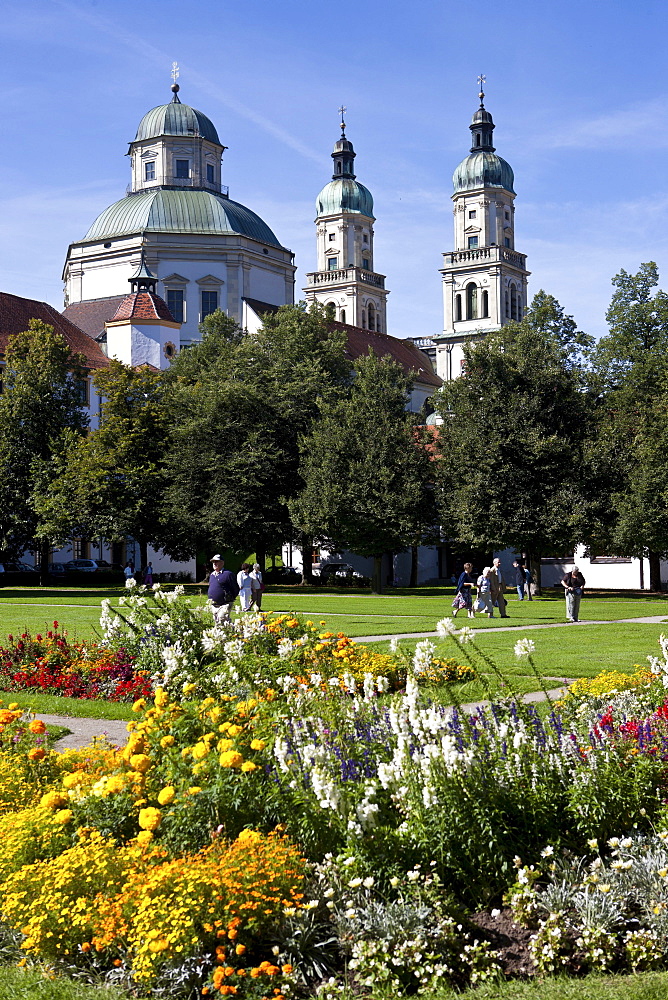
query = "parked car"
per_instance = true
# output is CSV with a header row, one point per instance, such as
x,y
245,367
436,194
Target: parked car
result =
x,y
57,569
335,569
81,566
102,564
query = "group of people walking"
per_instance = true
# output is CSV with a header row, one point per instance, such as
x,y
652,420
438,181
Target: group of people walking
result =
x,y
225,587
491,587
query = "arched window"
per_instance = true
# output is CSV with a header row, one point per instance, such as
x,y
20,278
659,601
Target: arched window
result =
x,y
519,306
458,308
343,315
507,306
485,304
364,319
330,309
372,316
513,302
338,168
472,300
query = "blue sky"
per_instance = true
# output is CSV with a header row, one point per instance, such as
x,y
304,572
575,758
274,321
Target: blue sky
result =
x,y
577,90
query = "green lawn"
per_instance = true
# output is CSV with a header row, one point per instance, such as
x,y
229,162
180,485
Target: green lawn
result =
x,y
355,614
642,986
573,651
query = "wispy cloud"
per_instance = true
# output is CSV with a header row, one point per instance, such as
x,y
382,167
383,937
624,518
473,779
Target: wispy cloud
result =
x,y
160,58
614,129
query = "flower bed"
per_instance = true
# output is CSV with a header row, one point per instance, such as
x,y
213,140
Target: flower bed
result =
x,y
284,822
56,665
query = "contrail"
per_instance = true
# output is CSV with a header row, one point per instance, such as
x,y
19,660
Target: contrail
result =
x,y
160,58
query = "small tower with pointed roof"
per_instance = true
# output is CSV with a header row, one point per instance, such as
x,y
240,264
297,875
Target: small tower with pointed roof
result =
x,y
346,281
143,331
484,277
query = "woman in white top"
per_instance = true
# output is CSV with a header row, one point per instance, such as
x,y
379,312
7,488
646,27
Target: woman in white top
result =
x,y
485,592
245,587
256,577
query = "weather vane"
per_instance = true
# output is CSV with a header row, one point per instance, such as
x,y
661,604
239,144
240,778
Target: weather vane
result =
x,y
342,111
482,79
175,72
175,87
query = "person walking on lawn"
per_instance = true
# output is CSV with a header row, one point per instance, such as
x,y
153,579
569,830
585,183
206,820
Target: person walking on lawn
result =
x,y
223,590
573,584
484,585
463,598
498,587
520,579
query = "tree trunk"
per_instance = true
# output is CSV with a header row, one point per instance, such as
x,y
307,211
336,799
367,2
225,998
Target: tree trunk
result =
x,y
414,566
44,553
377,581
654,570
143,559
306,545
261,556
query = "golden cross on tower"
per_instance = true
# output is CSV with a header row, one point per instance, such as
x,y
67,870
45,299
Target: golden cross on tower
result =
x,y
342,111
175,72
482,79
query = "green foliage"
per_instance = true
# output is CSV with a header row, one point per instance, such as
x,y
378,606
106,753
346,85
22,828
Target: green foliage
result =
x,y
238,405
366,467
40,415
513,434
110,482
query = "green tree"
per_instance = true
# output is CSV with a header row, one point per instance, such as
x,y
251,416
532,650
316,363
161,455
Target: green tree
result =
x,y
513,439
110,482
367,468
238,405
41,410
631,364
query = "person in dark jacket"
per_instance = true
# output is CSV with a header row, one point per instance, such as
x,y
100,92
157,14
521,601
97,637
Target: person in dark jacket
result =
x,y
463,598
520,579
573,584
223,590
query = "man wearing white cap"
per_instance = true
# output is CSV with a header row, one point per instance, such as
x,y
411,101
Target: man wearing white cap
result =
x,y
223,590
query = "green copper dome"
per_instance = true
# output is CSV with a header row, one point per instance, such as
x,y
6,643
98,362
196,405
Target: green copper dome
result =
x,y
483,169
344,194
176,119
183,210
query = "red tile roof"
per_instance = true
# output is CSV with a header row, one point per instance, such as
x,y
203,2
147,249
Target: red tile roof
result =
x,y
410,357
15,313
91,315
143,305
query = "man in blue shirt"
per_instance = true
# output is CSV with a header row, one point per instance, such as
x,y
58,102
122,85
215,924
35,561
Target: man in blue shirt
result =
x,y
223,590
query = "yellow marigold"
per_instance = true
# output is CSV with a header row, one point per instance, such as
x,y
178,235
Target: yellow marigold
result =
x,y
230,758
235,730
258,744
249,837
167,741
161,698
166,795
140,762
194,790
71,780
225,745
37,753
53,800
240,949
200,750
63,816
6,716
13,705
188,689
139,705
114,784
150,818
248,765
144,837
37,727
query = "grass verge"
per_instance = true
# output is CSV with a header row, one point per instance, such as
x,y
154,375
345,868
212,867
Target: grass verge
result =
x,y
34,984
641,986
79,708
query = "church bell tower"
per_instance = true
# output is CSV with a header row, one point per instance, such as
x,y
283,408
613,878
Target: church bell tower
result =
x,y
484,277
346,281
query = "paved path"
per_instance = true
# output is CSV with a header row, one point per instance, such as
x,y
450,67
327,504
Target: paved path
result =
x,y
652,620
83,731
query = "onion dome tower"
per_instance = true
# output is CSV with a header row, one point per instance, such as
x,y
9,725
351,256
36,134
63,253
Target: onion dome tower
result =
x,y
346,281
484,278
206,251
143,331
